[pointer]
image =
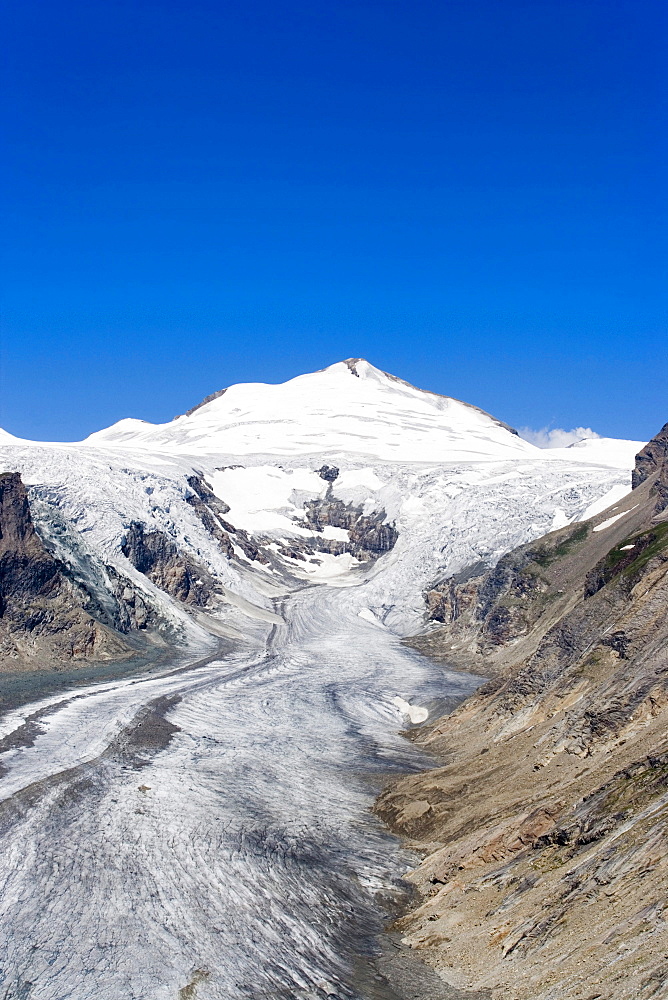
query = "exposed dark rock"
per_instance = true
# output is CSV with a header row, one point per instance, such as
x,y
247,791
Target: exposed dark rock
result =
x,y
207,399
211,510
26,569
328,472
455,596
106,595
329,511
298,550
158,557
134,612
206,495
249,548
47,616
652,459
652,462
369,535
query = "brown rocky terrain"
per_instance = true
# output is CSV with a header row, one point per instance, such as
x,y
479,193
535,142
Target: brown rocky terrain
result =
x,y
48,618
544,832
158,557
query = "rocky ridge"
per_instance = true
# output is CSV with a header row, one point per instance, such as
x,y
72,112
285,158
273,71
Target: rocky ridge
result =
x,y
211,512
370,535
545,830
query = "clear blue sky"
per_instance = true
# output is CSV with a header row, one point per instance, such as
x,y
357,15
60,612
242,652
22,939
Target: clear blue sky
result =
x,y
469,193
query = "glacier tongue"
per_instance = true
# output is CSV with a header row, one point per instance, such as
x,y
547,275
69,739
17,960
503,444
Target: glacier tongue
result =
x,y
242,856
207,832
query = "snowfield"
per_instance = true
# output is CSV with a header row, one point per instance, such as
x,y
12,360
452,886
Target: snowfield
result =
x,y
236,857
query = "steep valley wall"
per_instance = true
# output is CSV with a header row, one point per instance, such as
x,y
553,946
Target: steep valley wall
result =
x,y
544,834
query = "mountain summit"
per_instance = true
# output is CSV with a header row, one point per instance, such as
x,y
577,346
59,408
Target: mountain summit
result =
x,y
350,406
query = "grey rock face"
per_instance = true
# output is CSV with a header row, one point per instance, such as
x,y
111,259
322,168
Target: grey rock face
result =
x,y
26,569
369,535
47,616
652,462
157,557
207,399
211,511
329,473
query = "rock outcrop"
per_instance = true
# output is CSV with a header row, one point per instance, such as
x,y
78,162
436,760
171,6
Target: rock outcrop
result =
x,y
207,399
329,473
48,619
211,511
652,463
158,557
369,535
545,832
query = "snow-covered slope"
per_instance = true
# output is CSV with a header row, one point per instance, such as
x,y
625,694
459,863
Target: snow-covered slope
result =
x,y
309,475
350,407
600,451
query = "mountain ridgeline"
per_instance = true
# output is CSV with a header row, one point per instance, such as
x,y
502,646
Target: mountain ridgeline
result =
x,y
545,833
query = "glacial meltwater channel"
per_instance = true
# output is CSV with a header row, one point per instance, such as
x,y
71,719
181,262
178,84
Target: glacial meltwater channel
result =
x,y
207,833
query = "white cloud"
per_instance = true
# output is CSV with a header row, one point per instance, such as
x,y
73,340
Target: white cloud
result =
x,y
556,437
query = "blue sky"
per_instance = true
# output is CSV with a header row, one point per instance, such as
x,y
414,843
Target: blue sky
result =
x,y
470,194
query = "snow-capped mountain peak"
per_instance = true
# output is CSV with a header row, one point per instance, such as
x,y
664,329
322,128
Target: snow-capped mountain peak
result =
x,y
342,474
350,406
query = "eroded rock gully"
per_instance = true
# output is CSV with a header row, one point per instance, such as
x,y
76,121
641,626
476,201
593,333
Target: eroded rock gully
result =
x,y
545,835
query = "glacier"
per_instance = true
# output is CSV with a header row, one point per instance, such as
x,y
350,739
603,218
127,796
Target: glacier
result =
x,y
203,829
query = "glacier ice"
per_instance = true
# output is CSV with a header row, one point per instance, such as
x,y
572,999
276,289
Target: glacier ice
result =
x,y
208,829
